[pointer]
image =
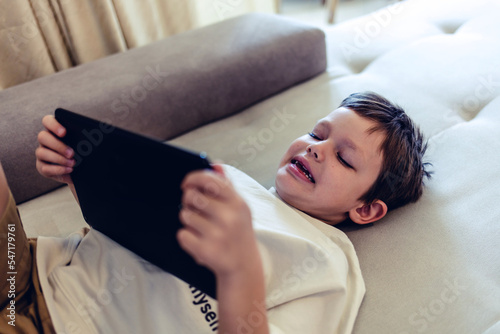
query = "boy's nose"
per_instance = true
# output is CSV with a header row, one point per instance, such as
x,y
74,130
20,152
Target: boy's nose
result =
x,y
315,152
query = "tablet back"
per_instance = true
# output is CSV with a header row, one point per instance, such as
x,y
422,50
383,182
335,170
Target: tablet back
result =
x,y
128,187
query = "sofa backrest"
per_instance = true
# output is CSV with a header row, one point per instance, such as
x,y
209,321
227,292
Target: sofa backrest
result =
x,y
163,89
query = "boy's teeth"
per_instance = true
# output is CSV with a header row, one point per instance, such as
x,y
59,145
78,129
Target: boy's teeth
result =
x,y
304,170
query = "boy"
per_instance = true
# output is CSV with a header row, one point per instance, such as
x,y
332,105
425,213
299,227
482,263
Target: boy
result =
x,y
279,267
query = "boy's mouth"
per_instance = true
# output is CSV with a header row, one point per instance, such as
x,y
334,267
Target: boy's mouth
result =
x,y
301,168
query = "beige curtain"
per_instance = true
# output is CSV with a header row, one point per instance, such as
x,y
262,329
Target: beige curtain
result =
x,y
40,37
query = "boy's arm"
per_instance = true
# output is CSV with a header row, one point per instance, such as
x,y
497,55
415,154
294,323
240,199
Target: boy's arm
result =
x,y
241,300
54,159
218,233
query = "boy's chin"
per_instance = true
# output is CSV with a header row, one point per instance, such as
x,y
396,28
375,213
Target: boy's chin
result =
x,y
282,183
288,191
281,186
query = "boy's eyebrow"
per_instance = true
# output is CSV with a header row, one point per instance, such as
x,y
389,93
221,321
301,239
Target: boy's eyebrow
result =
x,y
349,143
345,141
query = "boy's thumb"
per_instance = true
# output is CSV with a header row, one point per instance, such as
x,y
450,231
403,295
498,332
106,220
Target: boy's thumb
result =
x,y
219,169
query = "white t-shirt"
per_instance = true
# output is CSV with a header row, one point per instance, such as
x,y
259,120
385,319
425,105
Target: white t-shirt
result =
x,y
313,280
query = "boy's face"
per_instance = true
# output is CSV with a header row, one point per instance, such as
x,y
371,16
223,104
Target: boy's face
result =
x,y
325,173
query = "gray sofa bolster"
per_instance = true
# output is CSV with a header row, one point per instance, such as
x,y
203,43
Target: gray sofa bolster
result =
x,y
162,89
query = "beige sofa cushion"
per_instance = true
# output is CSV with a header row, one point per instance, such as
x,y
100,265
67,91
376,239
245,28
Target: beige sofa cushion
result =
x,y
433,266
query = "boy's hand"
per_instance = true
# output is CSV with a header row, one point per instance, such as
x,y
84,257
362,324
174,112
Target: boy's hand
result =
x,y
218,233
54,159
217,222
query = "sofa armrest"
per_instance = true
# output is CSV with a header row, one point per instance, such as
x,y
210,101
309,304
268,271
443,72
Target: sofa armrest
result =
x,y
163,89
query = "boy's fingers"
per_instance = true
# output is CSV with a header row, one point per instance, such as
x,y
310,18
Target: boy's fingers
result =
x,y
53,171
49,156
190,242
204,205
195,222
46,139
192,179
219,169
53,126
192,198
207,182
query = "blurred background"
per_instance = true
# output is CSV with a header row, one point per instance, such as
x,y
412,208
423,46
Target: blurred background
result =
x,y
316,12
39,38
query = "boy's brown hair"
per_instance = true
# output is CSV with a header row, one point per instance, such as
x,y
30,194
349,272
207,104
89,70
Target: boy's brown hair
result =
x,y
401,178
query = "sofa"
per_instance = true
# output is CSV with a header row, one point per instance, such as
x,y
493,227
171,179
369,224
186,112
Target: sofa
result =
x,y
243,89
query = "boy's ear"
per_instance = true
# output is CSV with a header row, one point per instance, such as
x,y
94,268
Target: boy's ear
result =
x,y
368,213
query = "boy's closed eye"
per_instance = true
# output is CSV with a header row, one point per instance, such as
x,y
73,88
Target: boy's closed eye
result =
x,y
314,136
339,156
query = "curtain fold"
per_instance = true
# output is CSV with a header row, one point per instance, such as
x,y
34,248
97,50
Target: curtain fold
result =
x,y
40,37
150,20
47,19
24,54
91,27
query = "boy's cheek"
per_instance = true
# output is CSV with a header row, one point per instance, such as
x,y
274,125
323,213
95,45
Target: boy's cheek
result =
x,y
296,147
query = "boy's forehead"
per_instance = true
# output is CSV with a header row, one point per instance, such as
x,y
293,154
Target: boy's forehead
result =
x,y
345,115
347,119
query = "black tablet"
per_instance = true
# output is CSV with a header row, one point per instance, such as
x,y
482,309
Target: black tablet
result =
x,y
128,187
